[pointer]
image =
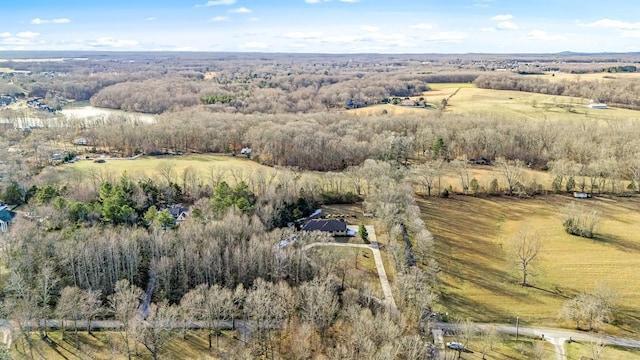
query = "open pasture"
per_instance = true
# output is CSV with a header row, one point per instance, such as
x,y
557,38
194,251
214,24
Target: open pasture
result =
x,y
603,76
526,106
481,282
150,166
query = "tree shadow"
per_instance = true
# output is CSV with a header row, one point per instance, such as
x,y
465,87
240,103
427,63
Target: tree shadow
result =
x,y
617,241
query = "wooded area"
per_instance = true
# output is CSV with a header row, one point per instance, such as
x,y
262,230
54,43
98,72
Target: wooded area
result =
x,y
108,243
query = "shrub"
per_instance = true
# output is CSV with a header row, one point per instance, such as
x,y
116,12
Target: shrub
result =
x,y
580,221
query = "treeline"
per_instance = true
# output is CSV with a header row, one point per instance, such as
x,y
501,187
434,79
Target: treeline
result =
x,y
622,92
336,141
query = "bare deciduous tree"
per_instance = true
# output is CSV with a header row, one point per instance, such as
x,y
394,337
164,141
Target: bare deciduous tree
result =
x,y
124,303
157,330
511,171
525,247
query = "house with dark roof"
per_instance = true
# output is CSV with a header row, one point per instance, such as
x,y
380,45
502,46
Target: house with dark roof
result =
x,y
331,226
6,216
178,212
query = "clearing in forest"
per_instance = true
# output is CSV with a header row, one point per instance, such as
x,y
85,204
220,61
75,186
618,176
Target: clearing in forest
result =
x,y
481,282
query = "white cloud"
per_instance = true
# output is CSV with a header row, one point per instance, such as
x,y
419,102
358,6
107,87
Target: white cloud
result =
x,y
631,34
302,35
448,36
240,10
504,17
5,35
423,26
507,25
151,18
254,19
27,34
218,19
254,45
113,43
217,2
38,21
617,24
315,1
370,28
349,1
543,35
488,29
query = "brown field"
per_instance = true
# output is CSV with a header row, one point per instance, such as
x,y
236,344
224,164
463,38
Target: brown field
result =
x,y
480,281
558,76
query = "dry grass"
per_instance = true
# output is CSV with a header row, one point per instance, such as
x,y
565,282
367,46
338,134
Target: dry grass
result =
x,y
148,166
559,76
361,271
506,350
525,106
480,281
110,345
576,350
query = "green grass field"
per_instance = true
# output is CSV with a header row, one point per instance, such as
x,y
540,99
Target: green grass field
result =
x,y
506,349
481,282
576,350
525,106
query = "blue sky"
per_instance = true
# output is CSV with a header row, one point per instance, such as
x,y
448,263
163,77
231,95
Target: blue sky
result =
x,y
323,26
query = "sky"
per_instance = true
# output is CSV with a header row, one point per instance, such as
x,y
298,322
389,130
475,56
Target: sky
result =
x,y
323,26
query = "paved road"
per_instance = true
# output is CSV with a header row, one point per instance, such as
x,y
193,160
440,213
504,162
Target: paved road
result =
x,y
555,336
388,301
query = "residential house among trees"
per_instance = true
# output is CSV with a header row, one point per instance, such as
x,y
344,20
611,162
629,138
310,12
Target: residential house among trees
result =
x,y
333,227
6,216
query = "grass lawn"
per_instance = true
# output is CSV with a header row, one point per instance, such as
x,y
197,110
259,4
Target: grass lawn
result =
x,y
110,345
507,349
359,264
576,350
481,282
205,165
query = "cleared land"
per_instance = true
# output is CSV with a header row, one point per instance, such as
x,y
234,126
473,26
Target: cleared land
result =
x,y
466,99
481,282
526,106
604,76
149,166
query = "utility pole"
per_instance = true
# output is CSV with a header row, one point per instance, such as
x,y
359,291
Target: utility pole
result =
x,y
517,326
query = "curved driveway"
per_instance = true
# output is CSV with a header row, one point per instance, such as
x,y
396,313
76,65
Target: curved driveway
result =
x,y
377,256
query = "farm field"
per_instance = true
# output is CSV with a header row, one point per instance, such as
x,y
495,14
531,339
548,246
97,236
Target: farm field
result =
x,y
467,100
526,106
603,76
149,166
480,281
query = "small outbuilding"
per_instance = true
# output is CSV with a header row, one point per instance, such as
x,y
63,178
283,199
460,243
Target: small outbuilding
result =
x,y
331,226
581,195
